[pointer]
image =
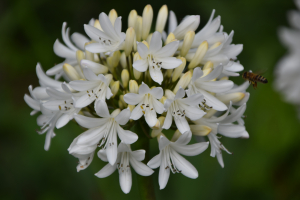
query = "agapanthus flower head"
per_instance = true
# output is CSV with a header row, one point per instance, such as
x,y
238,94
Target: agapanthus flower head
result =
x,y
126,86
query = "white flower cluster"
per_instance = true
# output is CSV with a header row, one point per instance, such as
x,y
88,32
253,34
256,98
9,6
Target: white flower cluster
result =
x,y
287,72
116,80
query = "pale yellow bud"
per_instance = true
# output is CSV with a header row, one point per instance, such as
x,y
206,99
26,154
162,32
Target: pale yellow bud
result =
x,y
133,86
138,28
178,70
79,56
125,77
112,15
131,107
161,19
123,61
162,100
130,35
206,71
210,113
71,72
122,99
201,51
234,97
132,18
215,45
187,43
183,81
89,55
115,88
97,25
208,65
113,60
170,38
147,21
200,130
169,72
121,106
176,135
149,38
134,45
224,78
79,71
157,128
146,43
137,74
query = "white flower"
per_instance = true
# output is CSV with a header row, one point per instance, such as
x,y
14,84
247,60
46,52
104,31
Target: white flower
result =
x,y
224,126
287,71
170,159
178,108
34,100
231,68
205,84
147,103
96,88
156,57
67,52
126,158
108,40
103,131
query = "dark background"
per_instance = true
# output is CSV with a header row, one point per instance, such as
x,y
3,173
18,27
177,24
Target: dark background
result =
x,y
266,166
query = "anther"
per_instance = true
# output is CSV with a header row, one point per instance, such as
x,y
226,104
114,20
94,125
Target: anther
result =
x,y
59,107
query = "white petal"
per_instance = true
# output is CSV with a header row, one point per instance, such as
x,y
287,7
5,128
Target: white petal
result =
x,y
144,89
193,100
156,75
123,117
150,118
107,26
56,68
191,150
163,142
57,94
184,166
128,137
31,102
142,49
79,40
125,180
157,92
132,98
97,48
197,73
136,113
140,167
89,122
190,23
84,101
90,137
63,120
233,131
236,115
139,155
83,85
44,79
169,62
180,93
118,25
168,121
163,176
172,22
106,171
102,155
182,124
140,65
220,159
184,139
112,150
158,106
155,43
89,74
95,67
213,101
155,161
124,147
192,112
95,33
168,50
101,108
217,86
63,51
214,74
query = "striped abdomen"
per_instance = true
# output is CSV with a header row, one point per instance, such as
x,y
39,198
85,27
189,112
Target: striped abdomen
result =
x,y
260,78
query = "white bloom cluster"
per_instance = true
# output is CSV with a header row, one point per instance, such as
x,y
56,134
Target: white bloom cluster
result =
x,y
287,72
114,81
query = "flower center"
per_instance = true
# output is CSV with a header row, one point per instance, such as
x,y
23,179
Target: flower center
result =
x,y
168,158
107,138
204,106
147,105
105,42
177,112
67,106
98,92
154,63
124,166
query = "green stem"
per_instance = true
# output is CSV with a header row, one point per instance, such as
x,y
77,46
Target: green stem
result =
x,y
145,183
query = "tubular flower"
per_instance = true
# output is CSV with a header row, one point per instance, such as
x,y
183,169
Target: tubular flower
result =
x,y
178,79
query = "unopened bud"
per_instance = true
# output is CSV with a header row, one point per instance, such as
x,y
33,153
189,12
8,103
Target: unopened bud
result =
x,y
109,78
215,45
113,60
183,81
125,78
133,86
187,43
134,45
169,72
112,15
208,65
130,35
123,61
138,28
132,18
97,25
71,72
178,70
149,38
210,113
176,135
79,56
131,107
147,21
234,97
201,51
162,100
122,99
115,88
161,19
200,130
121,106
137,74
89,55
170,38
157,128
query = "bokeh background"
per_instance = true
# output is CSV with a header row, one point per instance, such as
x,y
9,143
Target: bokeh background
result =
x,y
266,166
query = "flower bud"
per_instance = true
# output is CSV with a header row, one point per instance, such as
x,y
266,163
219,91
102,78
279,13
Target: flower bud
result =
x,y
210,113
122,99
157,128
176,135
234,97
215,45
161,18
146,43
123,61
115,88
224,78
121,106
200,130
97,25
134,45
131,107
187,43
183,81
133,86
112,15
162,100
71,72
169,72
178,70
132,18
138,28
208,65
130,35
79,56
201,51
113,60
147,21
89,55
149,38
170,38
137,74
109,78
125,78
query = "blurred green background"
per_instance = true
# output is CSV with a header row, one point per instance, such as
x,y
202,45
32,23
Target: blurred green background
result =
x,y
266,166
